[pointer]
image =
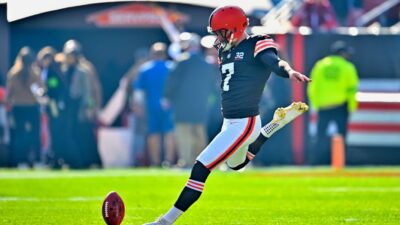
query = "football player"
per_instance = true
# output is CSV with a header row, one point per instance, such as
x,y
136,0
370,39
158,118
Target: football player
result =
x,y
245,64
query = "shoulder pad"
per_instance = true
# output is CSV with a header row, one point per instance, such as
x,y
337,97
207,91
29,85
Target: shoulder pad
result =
x,y
264,42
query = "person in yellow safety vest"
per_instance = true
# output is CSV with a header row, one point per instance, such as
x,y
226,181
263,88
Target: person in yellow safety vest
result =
x,y
332,94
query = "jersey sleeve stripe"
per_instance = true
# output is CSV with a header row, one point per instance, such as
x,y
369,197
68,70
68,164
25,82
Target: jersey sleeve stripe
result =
x,y
264,41
265,44
264,47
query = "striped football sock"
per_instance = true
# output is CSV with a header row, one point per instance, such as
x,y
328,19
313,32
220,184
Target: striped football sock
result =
x,y
193,188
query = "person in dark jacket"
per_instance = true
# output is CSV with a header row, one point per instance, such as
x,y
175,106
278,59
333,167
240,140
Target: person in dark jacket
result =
x,y
91,97
79,105
188,89
51,76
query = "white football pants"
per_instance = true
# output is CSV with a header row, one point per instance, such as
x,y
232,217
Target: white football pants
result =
x,y
231,143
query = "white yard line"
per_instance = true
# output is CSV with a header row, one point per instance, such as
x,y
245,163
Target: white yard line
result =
x,y
89,174
357,189
36,199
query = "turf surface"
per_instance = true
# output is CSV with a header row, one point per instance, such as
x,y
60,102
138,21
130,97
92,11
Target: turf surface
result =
x,y
269,196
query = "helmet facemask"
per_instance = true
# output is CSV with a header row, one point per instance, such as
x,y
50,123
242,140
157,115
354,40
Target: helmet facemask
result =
x,y
223,40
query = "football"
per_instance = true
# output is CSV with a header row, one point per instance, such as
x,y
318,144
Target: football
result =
x,y
113,209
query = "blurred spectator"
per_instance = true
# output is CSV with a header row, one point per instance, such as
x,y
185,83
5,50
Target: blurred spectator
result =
x,y
332,95
90,102
92,73
353,16
137,121
4,135
24,87
148,89
347,11
51,76
79,102
316,14
188,87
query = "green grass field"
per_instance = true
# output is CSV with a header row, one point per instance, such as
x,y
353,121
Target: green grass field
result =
x,y
267,196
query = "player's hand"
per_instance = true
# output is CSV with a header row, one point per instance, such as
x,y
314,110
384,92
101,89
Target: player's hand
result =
x,y
297,76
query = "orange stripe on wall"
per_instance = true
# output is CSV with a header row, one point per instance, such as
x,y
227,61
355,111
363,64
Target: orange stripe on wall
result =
x,y
298,95
280,39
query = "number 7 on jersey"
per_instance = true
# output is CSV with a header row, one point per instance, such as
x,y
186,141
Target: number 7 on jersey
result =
x,y
227,70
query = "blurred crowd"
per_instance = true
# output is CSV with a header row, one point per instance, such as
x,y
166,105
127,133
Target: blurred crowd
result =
x,y
50,101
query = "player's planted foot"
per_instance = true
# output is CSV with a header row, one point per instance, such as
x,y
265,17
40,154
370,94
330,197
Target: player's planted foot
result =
x,y
283,116
159,221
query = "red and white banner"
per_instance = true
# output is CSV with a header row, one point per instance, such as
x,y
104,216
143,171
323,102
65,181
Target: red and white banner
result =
x,y
376,121
135,15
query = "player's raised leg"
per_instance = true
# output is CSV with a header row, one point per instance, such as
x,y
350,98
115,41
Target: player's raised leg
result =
x,y
282,116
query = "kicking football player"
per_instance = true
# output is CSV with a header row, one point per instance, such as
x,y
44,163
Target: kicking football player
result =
x,y
245,64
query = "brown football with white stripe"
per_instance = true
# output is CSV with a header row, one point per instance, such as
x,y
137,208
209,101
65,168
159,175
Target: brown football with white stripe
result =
x,y
113,209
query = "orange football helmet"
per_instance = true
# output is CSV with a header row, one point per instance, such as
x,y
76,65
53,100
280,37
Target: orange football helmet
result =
x,y
228,23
